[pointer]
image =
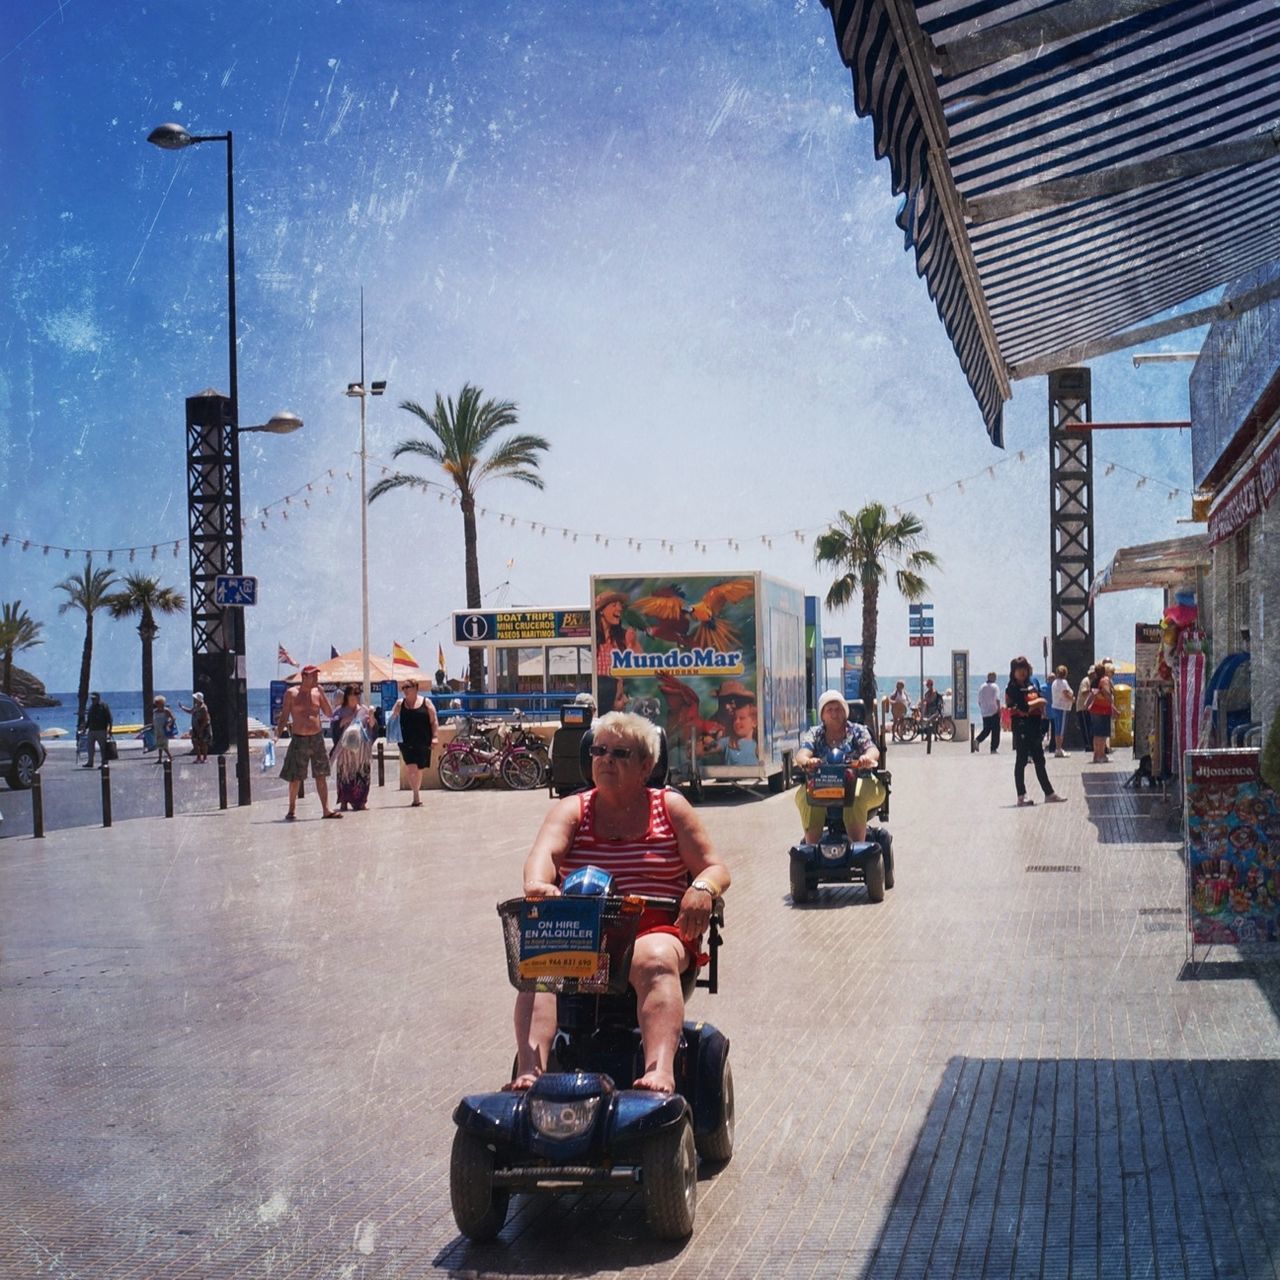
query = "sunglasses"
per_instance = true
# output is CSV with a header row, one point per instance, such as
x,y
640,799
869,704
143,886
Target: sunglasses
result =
x,y
616,753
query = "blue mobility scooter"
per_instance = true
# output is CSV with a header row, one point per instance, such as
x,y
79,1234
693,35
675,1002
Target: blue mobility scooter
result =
x,y
836,859
580,1126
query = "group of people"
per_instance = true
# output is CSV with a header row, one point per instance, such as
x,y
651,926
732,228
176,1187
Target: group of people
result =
x,y
99,723
348,751
1031,712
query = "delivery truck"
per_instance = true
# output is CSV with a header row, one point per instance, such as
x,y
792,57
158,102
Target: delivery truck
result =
x,y
716,659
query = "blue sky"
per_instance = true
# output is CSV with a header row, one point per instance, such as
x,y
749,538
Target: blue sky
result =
x,y
657,227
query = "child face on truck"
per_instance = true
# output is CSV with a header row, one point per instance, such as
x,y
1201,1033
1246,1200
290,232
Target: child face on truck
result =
x,y
744,721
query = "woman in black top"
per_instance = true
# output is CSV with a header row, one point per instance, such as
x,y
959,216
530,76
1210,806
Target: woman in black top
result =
x,y
1026,710
418,730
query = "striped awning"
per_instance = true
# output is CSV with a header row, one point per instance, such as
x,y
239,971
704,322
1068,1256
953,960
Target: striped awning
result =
x,y
1070,168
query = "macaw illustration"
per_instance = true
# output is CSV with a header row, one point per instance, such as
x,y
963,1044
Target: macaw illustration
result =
x,y
684,714
668,614
668,605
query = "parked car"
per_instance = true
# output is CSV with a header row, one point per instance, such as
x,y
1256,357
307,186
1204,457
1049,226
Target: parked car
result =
x,y
21,751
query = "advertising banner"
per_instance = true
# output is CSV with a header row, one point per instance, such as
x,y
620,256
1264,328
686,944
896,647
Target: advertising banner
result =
x,y
852,671
959,684
682,651
1232,834
560,938
1146,654
515,627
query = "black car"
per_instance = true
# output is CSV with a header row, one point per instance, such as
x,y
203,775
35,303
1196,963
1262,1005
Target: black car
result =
x,y
21,751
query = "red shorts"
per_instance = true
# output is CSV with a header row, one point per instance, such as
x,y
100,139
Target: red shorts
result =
x,y
656,922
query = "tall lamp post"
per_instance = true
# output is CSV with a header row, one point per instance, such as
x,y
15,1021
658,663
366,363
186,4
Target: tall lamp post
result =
x,y
221,481
361,392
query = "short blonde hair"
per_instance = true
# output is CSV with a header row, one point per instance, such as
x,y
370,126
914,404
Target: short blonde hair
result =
x,y
639,733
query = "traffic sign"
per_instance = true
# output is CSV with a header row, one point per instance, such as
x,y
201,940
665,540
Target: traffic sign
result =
x,y
234,590
917,610
831,647
920,642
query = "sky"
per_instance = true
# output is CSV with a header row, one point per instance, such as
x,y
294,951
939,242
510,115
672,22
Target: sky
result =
x,y
657,227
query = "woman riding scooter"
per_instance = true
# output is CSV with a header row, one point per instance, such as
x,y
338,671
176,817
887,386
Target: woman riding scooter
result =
x,y
836,730
652,843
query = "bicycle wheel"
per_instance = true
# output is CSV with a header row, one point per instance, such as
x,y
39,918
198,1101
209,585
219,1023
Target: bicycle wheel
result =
x,y
908,728
520,771
456,770
945,729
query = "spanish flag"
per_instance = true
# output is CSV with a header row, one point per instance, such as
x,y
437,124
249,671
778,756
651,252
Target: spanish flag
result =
x,y
440,662
401,657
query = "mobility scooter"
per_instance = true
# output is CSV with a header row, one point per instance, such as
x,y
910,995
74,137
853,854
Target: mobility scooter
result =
x,y
579,1126
836,859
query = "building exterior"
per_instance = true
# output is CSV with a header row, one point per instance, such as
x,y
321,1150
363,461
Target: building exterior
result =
x,y
1235,455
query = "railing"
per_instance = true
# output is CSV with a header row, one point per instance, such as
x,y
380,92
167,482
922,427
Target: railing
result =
x,y
531,706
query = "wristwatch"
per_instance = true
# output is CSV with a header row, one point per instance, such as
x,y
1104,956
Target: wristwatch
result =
x,y
706,886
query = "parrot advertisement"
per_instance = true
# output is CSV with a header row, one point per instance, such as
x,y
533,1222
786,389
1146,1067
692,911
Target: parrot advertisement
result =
x,y
690,652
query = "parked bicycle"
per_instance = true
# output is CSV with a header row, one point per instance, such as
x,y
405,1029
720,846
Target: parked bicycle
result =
x,y
913,724
469,760
495,735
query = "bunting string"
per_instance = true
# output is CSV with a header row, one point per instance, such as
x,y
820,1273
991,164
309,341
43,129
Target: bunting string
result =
x,y
324,484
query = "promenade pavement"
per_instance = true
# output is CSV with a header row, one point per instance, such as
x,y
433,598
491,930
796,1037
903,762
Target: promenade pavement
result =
x,y
230,1046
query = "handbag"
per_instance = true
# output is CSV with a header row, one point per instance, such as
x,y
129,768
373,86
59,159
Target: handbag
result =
x,y
269,755
109,750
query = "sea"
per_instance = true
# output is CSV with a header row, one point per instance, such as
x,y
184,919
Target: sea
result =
x,y
126,708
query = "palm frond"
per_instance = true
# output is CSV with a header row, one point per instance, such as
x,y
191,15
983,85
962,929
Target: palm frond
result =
x,y
397,480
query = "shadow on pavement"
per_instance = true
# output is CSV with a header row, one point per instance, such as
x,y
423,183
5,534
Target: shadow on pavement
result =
x,y
1123,815
1090,1167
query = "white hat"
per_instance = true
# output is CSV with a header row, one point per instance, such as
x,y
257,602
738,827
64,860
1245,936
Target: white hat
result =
x,y
832,696
198,697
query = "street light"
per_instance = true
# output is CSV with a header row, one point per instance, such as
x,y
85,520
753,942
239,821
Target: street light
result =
x,y
359,390
175,137
280,424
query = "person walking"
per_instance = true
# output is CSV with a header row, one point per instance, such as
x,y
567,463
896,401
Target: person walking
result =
x,y
419,731
352,754
201,727
1026,709
989,710
163,727
1083,693
97,723
304,704
1061,702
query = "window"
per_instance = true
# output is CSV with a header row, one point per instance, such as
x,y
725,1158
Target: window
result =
x,y
9,710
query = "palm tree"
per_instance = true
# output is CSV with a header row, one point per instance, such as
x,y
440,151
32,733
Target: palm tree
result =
x,y
462,434
87,591
865,546
144,596
18,631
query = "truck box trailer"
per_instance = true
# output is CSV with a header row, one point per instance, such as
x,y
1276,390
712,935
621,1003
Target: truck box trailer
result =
x,y
715,659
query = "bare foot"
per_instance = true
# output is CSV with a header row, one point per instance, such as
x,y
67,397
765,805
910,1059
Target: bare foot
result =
x,y
522,1082
656,1082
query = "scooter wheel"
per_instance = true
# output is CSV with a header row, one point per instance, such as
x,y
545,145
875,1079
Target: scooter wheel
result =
x,y
479,1208
718,1144
800,891
873,875
669,1170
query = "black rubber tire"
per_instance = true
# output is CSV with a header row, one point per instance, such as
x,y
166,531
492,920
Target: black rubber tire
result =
x,y
521,771
946,730
479,1208
908,729
718,1144
873,875
776,783
22,772
450,778
539,753
669,1173
888,868
800,891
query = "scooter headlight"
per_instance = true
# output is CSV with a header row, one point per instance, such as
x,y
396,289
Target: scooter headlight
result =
x,y
558,1118
833,852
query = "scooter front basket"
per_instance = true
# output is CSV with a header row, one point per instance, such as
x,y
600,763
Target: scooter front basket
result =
x,y
619,923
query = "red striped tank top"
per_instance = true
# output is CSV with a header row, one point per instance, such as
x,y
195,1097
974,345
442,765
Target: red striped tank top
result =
x,y
651,866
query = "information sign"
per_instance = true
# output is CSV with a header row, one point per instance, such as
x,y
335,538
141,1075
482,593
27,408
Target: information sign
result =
x,y
234,590
959,684
920,642
560,938
831,647
852,671
515,627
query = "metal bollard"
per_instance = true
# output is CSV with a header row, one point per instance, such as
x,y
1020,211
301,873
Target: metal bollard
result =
x,y
928,741
105,775
168,787
973,737
382,766
222,782
37,807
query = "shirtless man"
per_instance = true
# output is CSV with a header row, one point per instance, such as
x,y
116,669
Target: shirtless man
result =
x,y
303,707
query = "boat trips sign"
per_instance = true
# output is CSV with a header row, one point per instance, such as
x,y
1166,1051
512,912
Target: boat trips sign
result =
x,y
522,627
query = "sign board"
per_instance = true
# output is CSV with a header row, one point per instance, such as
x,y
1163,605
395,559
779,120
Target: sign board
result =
x,y
1232,832
512,628
920,642
917,610
852,671
560,938
831,647
1146,654
234,590
959,684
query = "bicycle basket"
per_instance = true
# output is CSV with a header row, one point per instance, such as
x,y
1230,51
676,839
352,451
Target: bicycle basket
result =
x,y
610,965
